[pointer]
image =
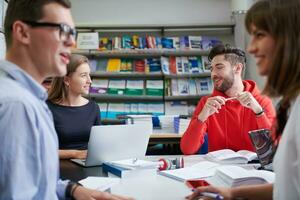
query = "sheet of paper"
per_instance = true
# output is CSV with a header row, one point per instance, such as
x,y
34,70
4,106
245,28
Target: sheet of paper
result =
x,y
99,183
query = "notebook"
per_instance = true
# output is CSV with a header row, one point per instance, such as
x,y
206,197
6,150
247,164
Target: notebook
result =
x,y
264,148
116,142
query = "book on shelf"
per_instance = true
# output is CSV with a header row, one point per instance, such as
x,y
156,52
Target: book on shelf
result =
x,y
154,64
113,65
194,64
174,87
103,110
183,86
184,42
176,42
139,65
87,40
208,42
126,65
130,168
156,108
205,64
204,86
127,42
233,176
165,65
192,87
154,87
172,65
99,86
176,108
116,87
228,156
116,43
134,87
179,67
167,43
135,41
115,109
185,65
195,42
93,64
105,44
201,170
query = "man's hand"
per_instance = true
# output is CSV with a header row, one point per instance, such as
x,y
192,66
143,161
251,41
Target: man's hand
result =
x,y
212,105
82,193
247,100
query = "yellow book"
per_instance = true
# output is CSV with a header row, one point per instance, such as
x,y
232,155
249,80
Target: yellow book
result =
x,y
113,65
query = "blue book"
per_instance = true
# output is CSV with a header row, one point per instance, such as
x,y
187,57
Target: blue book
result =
x,y
125,172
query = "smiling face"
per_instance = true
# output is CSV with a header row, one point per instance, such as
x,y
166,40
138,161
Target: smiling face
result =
x,y
48,50
262,47
79,82
221,73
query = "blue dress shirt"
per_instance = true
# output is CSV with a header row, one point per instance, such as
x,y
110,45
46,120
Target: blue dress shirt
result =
x,y
29,163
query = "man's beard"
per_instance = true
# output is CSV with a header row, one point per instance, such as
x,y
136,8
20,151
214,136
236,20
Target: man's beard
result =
x,y
226,84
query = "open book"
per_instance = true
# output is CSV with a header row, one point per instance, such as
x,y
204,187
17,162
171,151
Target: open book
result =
x,y
232,176
202,170
228,156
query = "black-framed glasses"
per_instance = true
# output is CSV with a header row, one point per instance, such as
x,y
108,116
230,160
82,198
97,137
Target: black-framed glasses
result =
x,y
65,31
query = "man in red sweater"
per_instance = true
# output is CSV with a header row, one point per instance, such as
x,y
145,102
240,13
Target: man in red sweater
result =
x,y
233,109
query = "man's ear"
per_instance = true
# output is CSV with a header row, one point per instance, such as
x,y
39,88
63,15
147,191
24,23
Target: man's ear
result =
x,y
238,68
21,32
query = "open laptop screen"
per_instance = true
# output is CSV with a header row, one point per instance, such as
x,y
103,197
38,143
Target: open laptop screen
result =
x,y
263,145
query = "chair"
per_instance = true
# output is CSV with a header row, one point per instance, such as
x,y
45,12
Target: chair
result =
x,y
204,148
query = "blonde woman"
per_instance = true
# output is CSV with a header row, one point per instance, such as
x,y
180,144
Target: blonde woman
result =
x,y
73,114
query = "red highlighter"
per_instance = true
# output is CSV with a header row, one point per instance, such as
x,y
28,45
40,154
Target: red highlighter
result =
x,y
196,183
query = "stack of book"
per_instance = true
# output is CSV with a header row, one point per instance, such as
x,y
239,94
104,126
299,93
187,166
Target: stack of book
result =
x,y
130,168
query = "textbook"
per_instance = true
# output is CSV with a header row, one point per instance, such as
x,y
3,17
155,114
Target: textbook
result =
x,y
201,170
232,176
130,168
228,156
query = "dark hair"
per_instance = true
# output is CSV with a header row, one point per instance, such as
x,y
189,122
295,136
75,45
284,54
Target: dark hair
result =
x,y
280,18
30,10
58,90
231,54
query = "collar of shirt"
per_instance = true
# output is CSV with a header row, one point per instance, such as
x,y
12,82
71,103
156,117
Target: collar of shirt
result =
x,y
24,79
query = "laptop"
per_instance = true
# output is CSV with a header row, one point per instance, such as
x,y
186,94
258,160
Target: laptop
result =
x,y
116,142
263,144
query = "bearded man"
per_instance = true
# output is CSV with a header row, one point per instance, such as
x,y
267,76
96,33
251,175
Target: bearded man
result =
x,y
235,107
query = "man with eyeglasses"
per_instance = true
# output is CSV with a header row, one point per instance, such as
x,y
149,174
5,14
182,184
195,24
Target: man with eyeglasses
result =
x,y
39,35
235,107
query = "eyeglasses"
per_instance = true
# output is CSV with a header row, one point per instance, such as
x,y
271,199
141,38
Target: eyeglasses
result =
x,y
65,31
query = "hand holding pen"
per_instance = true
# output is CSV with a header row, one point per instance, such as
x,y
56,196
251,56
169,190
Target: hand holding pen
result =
x,y
210,192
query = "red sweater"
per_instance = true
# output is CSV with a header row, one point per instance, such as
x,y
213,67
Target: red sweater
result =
x,y
229,128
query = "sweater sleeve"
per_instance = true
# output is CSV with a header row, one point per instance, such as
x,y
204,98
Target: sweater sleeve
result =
x,y
193,137
267,119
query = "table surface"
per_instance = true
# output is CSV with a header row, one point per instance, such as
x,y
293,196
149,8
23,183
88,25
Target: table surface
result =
x,y
144,188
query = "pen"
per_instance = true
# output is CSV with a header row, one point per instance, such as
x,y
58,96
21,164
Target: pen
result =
x,y
231,98
212,195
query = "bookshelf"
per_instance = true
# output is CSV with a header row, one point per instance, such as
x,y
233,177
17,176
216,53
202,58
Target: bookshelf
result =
x,y
224,32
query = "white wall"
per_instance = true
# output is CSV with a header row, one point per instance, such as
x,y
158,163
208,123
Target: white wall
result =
x,y
150,12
